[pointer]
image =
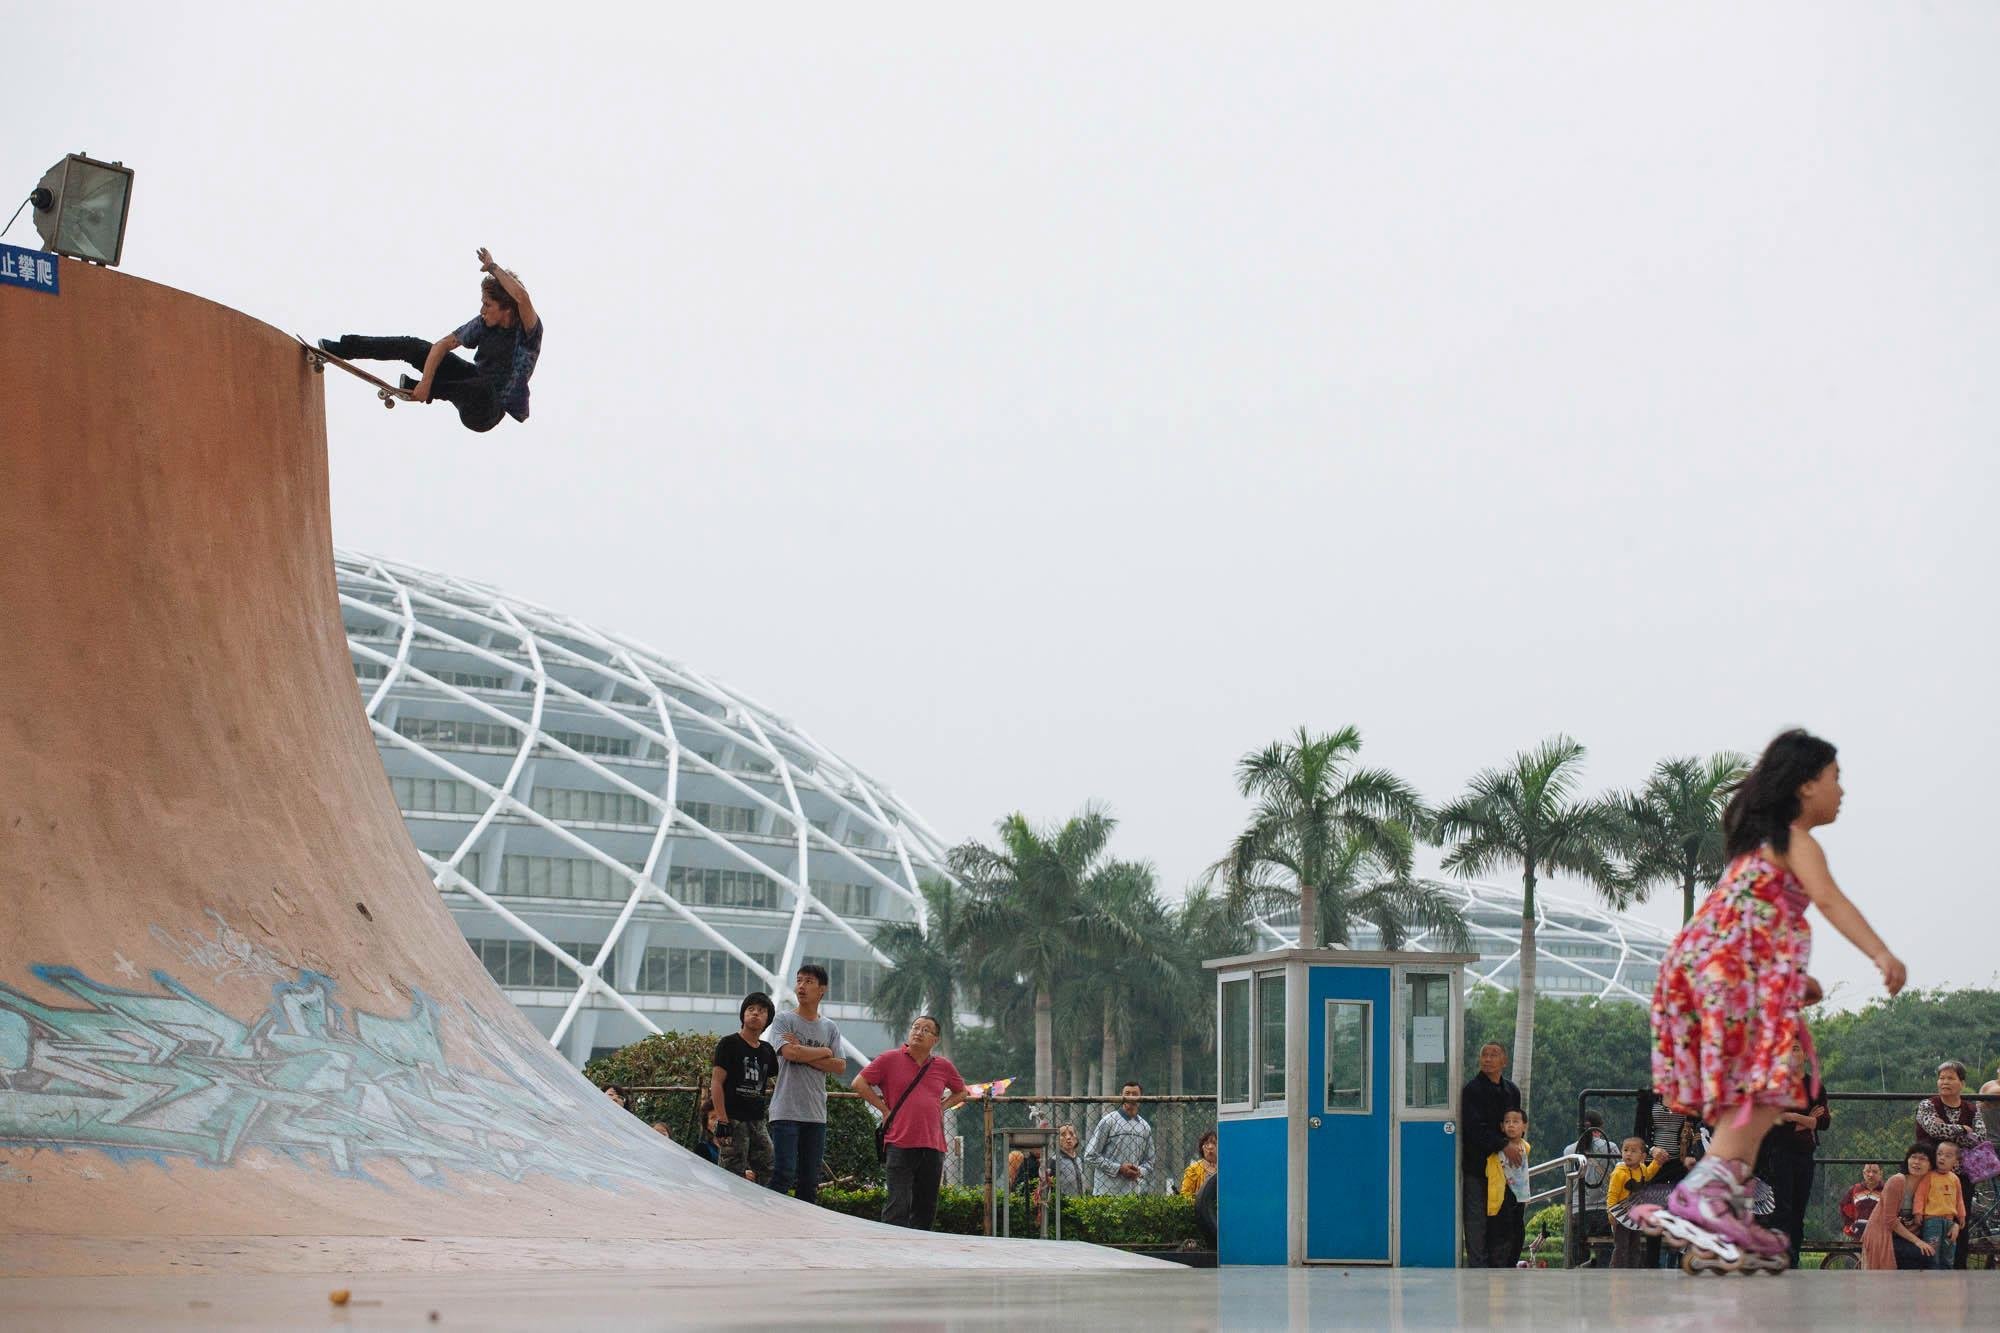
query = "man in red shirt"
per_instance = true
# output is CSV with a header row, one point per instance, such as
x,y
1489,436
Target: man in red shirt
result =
x,y
1861,1199
912,1088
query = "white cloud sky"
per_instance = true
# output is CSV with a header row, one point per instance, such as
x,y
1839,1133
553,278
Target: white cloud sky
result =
x,y
1053,405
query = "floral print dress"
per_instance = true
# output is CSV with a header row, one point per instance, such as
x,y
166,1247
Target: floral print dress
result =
x,y
1726,1008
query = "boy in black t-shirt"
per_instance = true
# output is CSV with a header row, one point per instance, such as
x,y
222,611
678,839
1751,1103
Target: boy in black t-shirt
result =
x,y
744,1069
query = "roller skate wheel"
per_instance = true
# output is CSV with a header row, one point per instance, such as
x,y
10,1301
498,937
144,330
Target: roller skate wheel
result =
x,y
1695,1262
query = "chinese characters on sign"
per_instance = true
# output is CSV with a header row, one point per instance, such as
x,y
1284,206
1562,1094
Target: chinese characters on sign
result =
x,y
27,268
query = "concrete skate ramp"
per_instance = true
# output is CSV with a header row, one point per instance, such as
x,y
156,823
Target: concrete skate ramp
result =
x,y
238,1030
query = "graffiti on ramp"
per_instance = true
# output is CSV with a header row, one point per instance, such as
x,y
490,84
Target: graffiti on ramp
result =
x,y
166,1074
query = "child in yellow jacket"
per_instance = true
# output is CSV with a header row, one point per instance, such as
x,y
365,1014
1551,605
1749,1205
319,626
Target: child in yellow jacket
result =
x,y
1628,1247
1506,1196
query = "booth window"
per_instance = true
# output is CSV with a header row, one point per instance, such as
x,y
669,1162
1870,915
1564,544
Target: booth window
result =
x,y
1426,1036
1349,1077
1236,1042
1253,1040
1271,1037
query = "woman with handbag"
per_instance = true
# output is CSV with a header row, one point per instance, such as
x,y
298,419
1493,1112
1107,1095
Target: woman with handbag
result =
x,y
1952,1117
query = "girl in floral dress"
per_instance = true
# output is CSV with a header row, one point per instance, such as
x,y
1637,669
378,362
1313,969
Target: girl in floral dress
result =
x,y
1726,1008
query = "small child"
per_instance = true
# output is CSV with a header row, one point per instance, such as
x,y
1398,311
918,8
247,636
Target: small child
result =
x,y
1506,1196
1727,1006
1939,1205
1628,1247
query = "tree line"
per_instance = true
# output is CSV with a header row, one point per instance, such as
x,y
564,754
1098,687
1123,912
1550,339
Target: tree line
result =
x,y
1085,973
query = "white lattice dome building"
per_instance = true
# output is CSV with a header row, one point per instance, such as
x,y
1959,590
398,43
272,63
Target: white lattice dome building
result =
x,y
628,845
1581,949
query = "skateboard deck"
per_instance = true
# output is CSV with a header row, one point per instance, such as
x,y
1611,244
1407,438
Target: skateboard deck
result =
x,y
319,356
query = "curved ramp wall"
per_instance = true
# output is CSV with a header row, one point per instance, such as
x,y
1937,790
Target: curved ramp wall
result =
x,y
238,1029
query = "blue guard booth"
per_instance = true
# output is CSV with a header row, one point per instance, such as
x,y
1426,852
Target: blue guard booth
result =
x,y
1337,1105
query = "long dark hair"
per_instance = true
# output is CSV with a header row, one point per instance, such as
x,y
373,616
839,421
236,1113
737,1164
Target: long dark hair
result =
x,y
1767,801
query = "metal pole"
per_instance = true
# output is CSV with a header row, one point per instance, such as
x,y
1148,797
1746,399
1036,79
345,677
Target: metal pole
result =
x,y
1004,1151
1575,1222
986,1109
1055,1193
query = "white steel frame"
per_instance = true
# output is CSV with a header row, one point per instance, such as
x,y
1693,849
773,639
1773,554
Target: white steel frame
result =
x,y
743,724
1558,919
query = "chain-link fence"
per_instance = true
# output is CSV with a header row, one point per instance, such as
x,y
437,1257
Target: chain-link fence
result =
x,y
1039,1145
1012,1144
1864,1128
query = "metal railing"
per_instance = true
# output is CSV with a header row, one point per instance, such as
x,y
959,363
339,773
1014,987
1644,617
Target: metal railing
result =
x,y
1572,1165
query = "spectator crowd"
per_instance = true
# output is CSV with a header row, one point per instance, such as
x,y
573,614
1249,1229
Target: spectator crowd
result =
x,y
762,1115
1947,1194
1939,1200
764,1110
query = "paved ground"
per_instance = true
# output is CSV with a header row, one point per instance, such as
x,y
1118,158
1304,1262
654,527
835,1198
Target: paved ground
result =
x,y
922,1299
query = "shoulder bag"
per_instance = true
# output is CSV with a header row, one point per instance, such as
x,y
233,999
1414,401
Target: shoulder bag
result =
x,y
882,1133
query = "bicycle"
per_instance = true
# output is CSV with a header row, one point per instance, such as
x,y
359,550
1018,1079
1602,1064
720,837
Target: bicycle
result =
x,y
1534,1257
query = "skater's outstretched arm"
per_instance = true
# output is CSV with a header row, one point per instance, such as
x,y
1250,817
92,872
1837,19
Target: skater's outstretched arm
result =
x,y
513,288
439,350
1808,862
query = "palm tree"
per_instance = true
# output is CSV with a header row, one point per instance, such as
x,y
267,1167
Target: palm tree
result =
x,y
1131,963
1202,927
1525,814
927,975
1335,839
1029,914
1672,827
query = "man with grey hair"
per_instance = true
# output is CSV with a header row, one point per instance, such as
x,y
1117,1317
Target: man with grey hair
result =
x,y
1481,1104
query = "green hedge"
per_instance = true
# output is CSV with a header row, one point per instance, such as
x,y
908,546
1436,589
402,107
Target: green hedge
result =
x,y
961,1210
1130,1219
1148,1220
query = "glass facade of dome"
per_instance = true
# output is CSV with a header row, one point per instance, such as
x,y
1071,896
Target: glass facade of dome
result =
x,y
1580,949
628,845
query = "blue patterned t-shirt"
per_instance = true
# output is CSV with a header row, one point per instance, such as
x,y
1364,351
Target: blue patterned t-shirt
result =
x,y
505,356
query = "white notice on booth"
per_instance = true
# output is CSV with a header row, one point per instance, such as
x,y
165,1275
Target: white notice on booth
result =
x,y
1427,1036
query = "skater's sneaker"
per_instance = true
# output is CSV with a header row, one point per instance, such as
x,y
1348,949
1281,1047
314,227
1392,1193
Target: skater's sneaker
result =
x,y
1713,1199
333,347
405,383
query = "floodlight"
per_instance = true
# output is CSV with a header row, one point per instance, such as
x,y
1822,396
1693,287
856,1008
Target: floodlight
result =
x,y
80,208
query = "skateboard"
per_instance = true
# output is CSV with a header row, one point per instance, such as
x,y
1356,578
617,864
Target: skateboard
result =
x,y
319,356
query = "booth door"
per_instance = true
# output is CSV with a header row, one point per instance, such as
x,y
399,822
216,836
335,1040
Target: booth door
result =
x,y
1429,1027
1347,1110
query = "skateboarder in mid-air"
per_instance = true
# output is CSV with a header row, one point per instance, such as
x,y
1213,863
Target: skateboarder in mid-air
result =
x,y
505,338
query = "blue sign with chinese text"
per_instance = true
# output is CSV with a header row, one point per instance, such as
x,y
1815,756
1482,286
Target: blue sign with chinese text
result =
x,y
27,268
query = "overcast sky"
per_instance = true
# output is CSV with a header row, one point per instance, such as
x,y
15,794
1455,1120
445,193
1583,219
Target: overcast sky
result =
x,y
1055,404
